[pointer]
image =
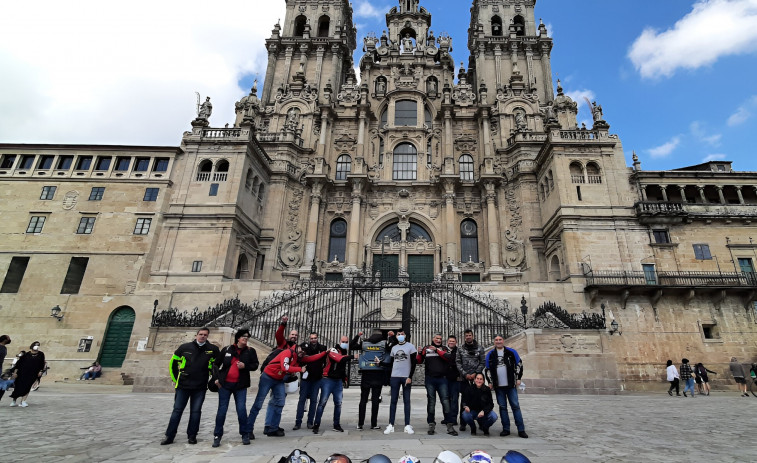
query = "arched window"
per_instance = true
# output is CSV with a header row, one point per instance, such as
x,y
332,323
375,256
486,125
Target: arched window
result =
x,y
384,119
204,170
299,26
428,153
260,191
222,171
405,162
337,240
406,113
554,269
551,180
520,26
243,269
381,151
343,167
577,172
390,231
466,167
469,241
592,173
414,233
255,185
428,118
497,26
323,26
248,179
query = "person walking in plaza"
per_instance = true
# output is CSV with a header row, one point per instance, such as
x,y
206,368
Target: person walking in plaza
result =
x,y
25,372
287,362
403,358
701,372
470,360
478,406
687,377
737,370
4,341
372,374
237,361
505,369
453,382
310,387
334,378
190,368
673,377
436,357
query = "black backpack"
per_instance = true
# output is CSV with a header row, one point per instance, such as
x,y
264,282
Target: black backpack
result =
x,y
270,358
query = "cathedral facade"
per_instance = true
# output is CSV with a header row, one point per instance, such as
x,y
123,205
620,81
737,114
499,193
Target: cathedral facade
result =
x,y
421,168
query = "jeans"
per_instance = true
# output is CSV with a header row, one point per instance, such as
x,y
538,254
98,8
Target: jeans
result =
x,y
265,385
330,386
375,393
240,400
195,397
395,383
453,390
689,385
509,394
308,391
436,386
464,386
485,422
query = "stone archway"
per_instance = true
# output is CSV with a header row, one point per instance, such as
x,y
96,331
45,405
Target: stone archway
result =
x,y
117,336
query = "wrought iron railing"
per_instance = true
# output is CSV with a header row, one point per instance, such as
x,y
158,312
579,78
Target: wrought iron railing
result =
x,y
550,315
670,279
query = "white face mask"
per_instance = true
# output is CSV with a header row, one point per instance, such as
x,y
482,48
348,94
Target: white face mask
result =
x,y
344,345
401,338
35,348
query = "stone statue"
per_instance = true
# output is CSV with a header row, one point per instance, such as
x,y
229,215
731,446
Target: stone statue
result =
x,y
380,86
206,109
407,44
431,39
596,112
550,113
432,87
520,121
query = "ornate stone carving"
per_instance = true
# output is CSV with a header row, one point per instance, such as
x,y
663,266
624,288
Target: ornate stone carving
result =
x,y
70,200
290,250
515,251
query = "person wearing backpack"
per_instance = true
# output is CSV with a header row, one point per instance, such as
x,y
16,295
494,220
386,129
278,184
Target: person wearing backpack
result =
x,y
372,372
237,361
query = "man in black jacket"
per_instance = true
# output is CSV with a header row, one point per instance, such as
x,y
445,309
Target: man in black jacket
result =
x,y
237,361
437,358
453,381
190,367
332,383
505,369
470,360
311,385
372,372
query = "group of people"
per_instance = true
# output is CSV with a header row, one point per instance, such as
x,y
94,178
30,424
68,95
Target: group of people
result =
x,y
26,368
699,375
456,375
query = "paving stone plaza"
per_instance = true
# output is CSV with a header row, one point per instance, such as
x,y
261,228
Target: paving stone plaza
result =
x,y
92,422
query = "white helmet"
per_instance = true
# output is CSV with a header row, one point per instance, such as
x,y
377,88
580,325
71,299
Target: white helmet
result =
x,y
478,456
408,459
292,388
448,456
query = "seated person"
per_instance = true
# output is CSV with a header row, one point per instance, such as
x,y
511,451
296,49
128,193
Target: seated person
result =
x,y
95,371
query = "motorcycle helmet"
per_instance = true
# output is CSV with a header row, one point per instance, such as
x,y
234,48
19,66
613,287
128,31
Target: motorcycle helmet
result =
x,y
408,459
515,457
448,457
338,458
297,456
478,456
378,458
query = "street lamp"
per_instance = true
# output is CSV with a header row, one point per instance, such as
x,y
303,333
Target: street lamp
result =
x,y
614,328
55,313
523,308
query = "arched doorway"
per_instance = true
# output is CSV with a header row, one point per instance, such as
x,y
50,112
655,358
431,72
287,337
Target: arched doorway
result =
x,y
411,249
117,335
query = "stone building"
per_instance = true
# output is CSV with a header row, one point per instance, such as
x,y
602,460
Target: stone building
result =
x,y
418,170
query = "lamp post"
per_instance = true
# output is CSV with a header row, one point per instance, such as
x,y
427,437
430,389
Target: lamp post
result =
x,y
523,308
154,310
55,313
614,328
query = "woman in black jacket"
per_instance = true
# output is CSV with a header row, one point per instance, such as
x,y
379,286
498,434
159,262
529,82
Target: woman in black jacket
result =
x,y
237,361
478,406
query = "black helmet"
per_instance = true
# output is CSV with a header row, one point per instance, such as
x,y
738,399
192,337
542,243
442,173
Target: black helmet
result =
x,y
379,458
297,456
212,386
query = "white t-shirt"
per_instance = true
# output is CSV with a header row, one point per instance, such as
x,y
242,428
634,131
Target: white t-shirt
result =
x,y
401,354
501,369
672,373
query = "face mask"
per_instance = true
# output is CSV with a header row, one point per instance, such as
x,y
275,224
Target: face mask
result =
x,y
35,348
401,338
344,345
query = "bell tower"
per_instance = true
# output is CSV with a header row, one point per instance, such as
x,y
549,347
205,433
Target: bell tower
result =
x,y
315,42
507,44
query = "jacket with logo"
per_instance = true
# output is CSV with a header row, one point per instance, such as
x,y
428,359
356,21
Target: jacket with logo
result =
x,y
192,364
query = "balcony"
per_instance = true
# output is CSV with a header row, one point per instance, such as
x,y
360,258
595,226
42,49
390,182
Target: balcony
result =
x,y
665,212
652,212
683,280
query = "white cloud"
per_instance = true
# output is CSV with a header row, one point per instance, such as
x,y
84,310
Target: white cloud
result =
x,y
104,72
743,113
701,134
366,10
713,29
665,149
714,157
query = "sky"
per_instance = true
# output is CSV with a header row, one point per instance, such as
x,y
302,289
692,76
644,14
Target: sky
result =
x,y
676,78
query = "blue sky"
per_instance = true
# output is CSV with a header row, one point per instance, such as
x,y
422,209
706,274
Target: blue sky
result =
x,y
674,77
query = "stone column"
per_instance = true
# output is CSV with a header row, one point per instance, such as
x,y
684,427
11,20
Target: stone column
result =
x,y
321,150
530,66
644,193
495,266
664,189
312,234
288,63
682,188
738,192
353,241
319,66
270,72
720,194
449,208
498,64
404,226
487,134
335,67
701,194
547,70
361,135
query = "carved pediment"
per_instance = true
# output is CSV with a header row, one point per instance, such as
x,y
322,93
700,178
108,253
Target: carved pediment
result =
x,y
466,143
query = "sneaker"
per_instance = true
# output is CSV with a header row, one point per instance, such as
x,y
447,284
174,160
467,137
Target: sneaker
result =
x,y
505,433
166,441
684,394
409,429
670,393
389,429
377,427
523,434
360,427
24,404
13,403
338,428
486,431
315,428
216,441
431,429
246,439
451,429
310,425
192,439
276,433
296,427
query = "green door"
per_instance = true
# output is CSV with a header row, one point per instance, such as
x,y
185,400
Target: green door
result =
x,y
117,336
388,265
420,269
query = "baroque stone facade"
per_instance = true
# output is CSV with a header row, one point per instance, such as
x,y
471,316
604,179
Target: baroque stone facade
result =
x,y
419,167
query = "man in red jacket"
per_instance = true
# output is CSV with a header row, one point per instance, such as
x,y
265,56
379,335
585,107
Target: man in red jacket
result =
x,y
334,378
281,341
